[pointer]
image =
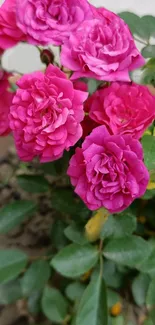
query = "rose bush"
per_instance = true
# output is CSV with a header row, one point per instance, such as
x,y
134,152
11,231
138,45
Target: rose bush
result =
x,y
51,22
108,171
125,108
46,114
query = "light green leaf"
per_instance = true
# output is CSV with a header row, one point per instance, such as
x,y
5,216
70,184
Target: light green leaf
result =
x,y
10,292
148,143
148,51
75,234
54,305
148,265
129,251
150,299
93,85
139,288
33,183
119,320
74,260
148,22
75,290
14,213
35,277
12,263
93,306
135,24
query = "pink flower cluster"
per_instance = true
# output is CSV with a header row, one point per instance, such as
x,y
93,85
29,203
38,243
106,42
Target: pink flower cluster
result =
x,y
50,112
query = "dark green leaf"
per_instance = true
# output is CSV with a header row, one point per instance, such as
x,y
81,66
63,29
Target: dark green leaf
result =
x,y
148,265
74,260
148,321
12,263
75,234
112,277
148,143
64,201
35,277
75,290
14,213
113,298
49,168
33,183
150,299
10,292
139,288
54,305
58,238
152,315
129,251
148,51
93,306
33,303
148,23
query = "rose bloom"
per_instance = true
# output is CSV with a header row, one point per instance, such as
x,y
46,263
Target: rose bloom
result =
x,y
50,21
10,34
125,108
103,49
5,102
46,114
108,171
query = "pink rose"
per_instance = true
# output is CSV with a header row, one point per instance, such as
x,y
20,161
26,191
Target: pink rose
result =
x,y
103,49
5,102
51,21
46,114
10,34
125,108
108,171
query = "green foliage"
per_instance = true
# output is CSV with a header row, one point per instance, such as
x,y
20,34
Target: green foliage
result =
x,y
10,292
36,277
75,234
150,299
14,213
93,305
54,305
74,291
148,143
12,263
74,260
119,225
33,183
139,288
148,51
129,251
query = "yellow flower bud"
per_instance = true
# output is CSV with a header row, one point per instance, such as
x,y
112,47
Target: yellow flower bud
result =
x,y
116,309
151,186
94,225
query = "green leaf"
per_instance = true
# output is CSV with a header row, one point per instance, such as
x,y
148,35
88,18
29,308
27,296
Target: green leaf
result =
x,y
119,320
112,277
152,315
113,298
58,238
139,288
35,277
93,85
129,251
33,183
10,292
49,168
119,225
136,25
75,234
148,321
12,263
148,22
75,290
148,51
14,213
93,305
148,143
150,299
74,260
54,305
148,265
64,201
33,303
